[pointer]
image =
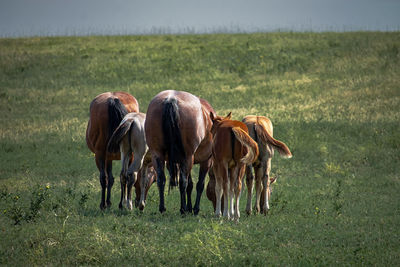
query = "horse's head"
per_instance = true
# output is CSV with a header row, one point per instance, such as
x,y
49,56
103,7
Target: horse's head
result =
x,y
216,120
270,188
146,177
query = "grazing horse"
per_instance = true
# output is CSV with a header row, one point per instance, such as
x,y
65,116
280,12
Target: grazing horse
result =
x,y
129,138
178,130
232,150
146,177
106,112
260,129
210,191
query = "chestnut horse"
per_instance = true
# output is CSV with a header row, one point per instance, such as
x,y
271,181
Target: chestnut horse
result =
x,y
129,138
106,112
261,130
232,150
178,130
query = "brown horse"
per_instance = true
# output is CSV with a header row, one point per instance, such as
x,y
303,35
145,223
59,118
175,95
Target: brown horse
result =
x,y
178,130
232,150
130,139
106,112
261,130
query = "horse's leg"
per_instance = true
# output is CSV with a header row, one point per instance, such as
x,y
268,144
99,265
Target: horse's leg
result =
x,y
249,184
189,190
258,171
238,189
123,176
100,162
137,185
184,170
204,167
109,181
226,187
123,191
159,165
231,189
266,184
133,172
218,190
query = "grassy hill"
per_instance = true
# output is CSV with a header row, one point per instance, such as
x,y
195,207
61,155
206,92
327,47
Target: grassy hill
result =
x,y
334,99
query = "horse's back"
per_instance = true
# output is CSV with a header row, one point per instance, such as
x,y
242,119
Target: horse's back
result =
x,y
225,147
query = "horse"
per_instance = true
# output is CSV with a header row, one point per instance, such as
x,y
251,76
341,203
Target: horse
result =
x,y
232,150
261,130
146,177
106,112
130,139
178,131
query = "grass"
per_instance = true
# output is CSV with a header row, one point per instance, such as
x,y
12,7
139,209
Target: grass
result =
x,y
334,99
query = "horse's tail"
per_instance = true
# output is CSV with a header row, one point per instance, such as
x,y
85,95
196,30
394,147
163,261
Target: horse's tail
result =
x,y
249,143
119,133
116,112
266,138
172,138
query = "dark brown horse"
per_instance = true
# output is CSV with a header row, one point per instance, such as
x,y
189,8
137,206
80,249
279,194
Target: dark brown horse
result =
x,y
232,150
106,112
178,130
261,130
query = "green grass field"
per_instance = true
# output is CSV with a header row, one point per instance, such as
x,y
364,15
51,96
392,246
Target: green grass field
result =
x,y
334,99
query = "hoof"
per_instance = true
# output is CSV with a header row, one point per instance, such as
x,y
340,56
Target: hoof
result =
x,y
162,209
142,204
196,211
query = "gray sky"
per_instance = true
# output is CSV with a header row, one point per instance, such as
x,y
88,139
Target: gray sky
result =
x,y
70,17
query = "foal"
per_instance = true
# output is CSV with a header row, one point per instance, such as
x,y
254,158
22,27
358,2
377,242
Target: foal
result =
x,y
260,129
232,150
129,137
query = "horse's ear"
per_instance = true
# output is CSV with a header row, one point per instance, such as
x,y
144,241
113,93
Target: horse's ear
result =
x,y
229,116
273,179
212,116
